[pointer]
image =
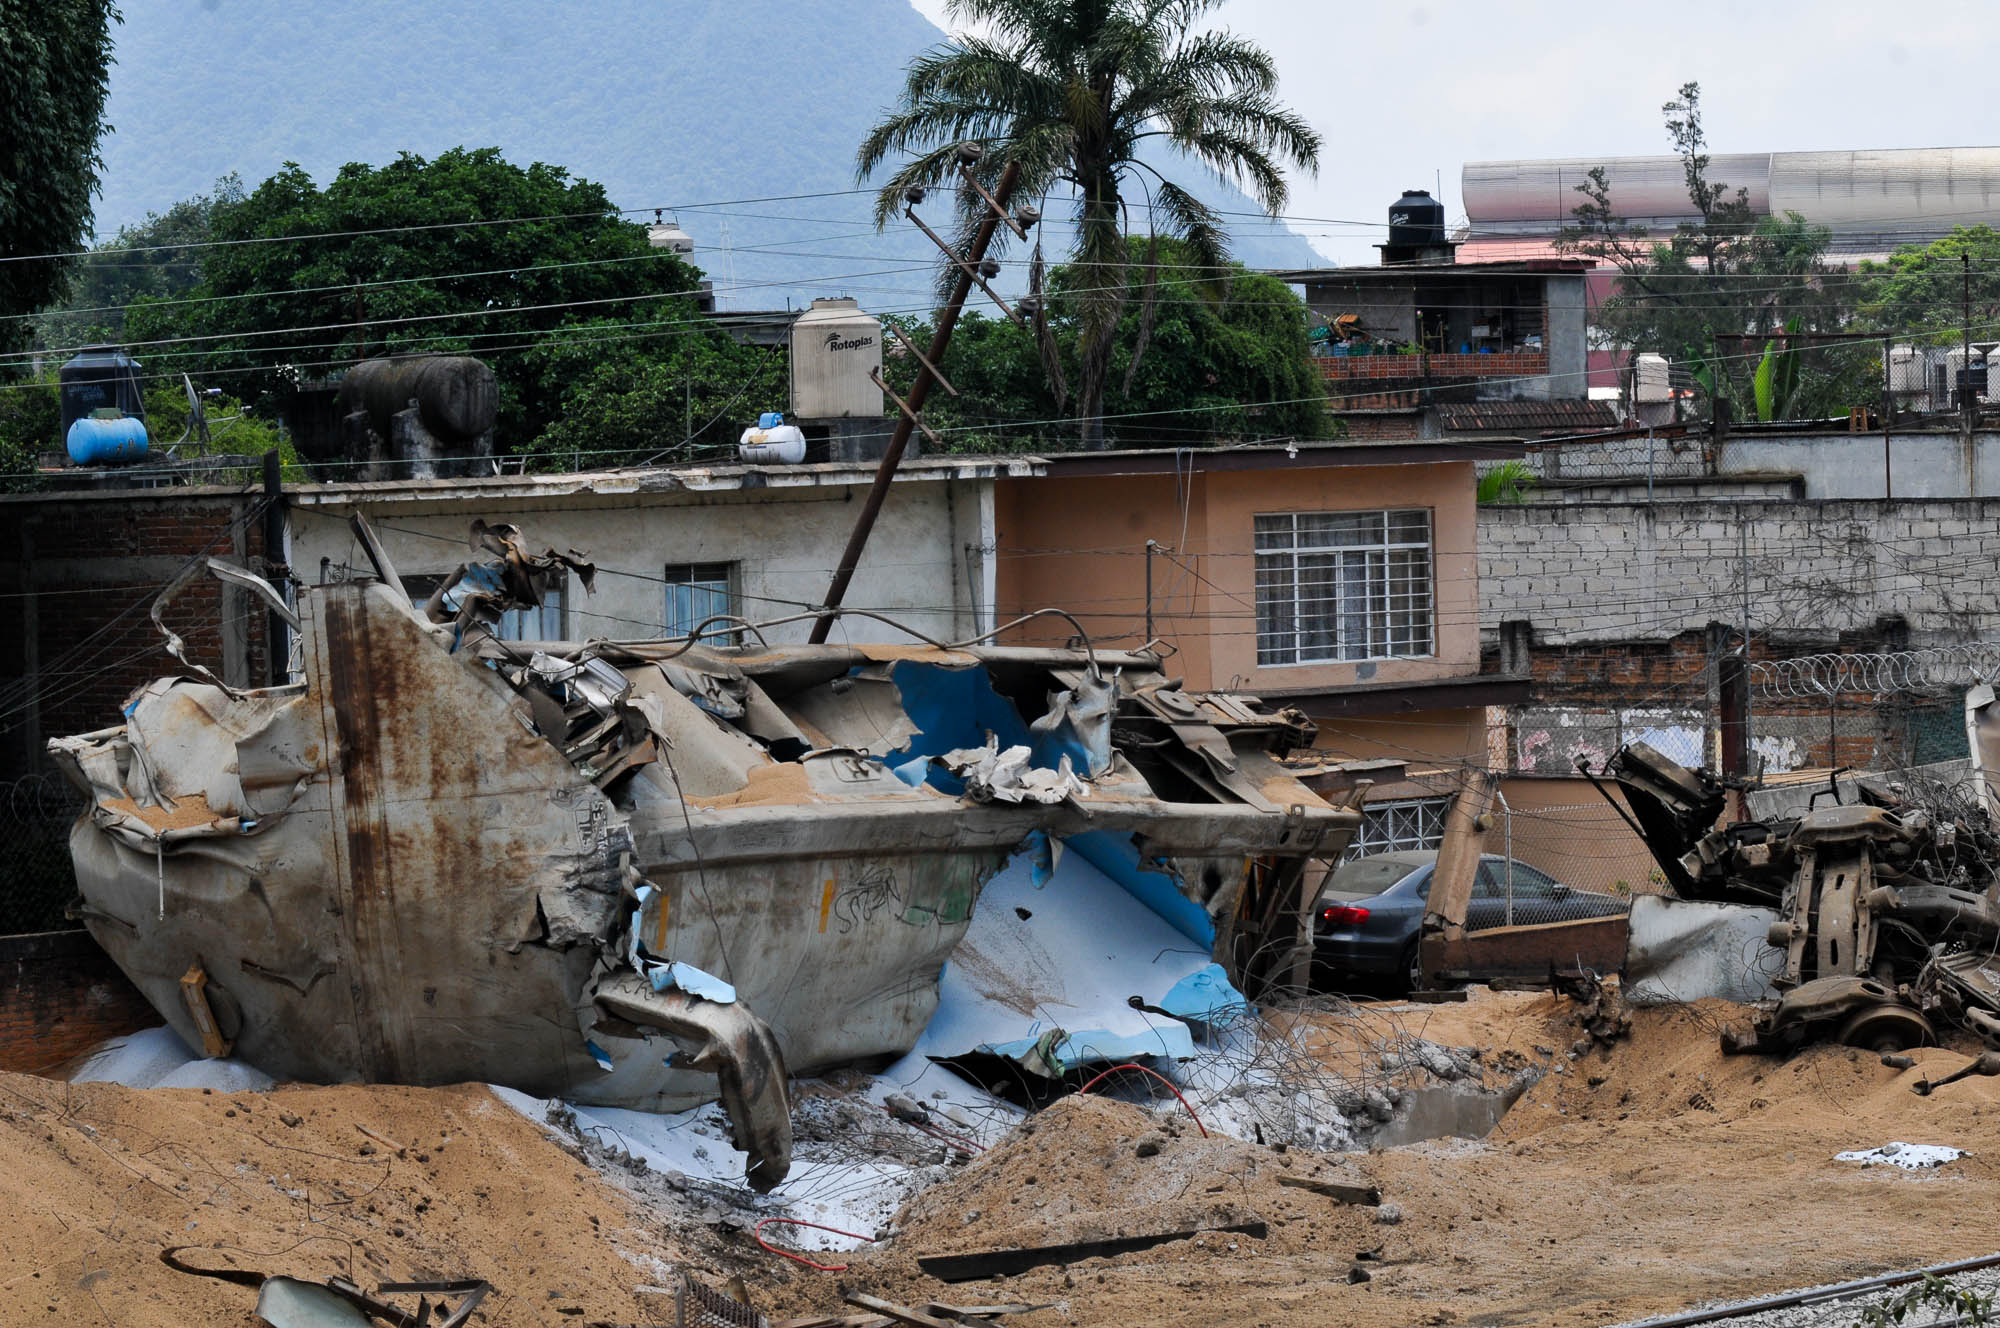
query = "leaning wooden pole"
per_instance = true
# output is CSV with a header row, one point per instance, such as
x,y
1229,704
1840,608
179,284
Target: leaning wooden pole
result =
x,y
864,524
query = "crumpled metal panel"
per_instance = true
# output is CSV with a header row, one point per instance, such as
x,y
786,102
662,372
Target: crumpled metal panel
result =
x,y
407,868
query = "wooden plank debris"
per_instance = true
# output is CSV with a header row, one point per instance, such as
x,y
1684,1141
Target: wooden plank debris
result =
x,y
984,1311
900,1313
1366,1195
1008,1262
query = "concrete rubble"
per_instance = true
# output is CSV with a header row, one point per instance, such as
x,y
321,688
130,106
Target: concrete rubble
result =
x,y
653,874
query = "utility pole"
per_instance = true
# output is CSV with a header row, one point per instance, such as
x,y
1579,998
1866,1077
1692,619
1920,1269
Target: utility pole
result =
x,y
1150,546
1967,397
277,636
920,390
1888,407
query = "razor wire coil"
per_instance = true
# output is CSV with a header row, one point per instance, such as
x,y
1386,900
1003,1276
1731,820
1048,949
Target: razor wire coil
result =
x,y
1933,670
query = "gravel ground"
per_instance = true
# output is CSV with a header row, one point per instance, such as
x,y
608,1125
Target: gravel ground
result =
x,y
1843,1309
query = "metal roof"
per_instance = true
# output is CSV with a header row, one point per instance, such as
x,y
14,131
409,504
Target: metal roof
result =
x,y
1517,416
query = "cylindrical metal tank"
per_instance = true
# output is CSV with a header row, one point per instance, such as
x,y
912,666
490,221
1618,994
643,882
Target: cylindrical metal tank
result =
x,y
1647,189
106,442
835,349
772,441
1416,220
456,395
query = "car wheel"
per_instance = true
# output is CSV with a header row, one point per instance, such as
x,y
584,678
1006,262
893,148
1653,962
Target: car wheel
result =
x,y
1413,969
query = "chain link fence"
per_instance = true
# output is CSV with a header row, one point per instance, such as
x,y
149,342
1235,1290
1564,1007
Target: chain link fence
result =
x,y
37,881
1542,864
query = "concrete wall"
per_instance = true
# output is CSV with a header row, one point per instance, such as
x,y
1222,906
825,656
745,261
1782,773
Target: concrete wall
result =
x,y
1606,572
1852,465
1080,543
924,562
1564,338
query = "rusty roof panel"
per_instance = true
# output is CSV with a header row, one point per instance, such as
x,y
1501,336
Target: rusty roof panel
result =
x,y
1524,416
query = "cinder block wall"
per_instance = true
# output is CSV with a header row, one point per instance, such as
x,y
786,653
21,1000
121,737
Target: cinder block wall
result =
x,y
60,995
1599,572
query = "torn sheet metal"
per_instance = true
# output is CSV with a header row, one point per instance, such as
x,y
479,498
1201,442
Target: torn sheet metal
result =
x,y
430,859
1685,950
1073,971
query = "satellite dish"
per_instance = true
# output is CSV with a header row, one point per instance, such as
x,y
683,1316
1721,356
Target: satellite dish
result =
x,y
197,421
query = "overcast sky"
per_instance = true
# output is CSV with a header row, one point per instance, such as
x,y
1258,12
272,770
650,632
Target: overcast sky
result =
x,y
1401,93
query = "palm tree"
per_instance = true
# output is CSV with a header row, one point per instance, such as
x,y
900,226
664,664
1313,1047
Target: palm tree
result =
x,y
1071,90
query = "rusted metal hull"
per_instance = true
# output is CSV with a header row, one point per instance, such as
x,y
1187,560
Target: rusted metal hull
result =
x,y
392,871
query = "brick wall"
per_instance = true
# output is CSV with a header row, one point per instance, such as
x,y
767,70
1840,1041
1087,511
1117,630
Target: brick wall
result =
x,y
1590,699
81,572
60,995
1509,364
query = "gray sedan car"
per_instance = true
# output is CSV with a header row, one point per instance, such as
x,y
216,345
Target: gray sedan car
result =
x,y
1370,908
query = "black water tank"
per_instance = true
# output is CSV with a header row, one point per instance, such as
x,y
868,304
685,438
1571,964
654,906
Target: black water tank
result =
x,y
101,378
1416,220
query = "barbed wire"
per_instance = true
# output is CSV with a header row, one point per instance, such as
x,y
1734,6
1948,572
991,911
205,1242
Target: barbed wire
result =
x,y
1929,671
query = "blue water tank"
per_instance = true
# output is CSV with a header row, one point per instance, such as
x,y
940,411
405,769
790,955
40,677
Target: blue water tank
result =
x,y
95,442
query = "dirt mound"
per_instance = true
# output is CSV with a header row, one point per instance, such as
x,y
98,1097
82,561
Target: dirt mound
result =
x,y
1629,1180
441,1183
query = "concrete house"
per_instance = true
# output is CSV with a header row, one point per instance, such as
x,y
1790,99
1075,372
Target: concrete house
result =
x,y
1340,578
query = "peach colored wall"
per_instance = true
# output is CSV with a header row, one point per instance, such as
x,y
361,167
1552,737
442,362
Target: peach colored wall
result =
x,y
1428,738
1079,544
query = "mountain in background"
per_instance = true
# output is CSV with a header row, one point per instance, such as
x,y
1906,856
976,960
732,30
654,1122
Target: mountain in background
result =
x,y
689,106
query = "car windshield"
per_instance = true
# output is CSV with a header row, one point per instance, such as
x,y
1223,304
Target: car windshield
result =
x,y
1368,876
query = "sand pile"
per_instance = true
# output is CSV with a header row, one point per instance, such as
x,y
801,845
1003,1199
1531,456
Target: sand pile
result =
x,y
1629,1180
445,1183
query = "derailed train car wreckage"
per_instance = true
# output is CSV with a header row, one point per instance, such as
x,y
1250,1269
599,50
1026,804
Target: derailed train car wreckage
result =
x,y
1870,922
653,873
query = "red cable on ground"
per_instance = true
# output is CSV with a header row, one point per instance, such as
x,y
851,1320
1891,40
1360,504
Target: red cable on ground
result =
x,y
1101,1076
757,1234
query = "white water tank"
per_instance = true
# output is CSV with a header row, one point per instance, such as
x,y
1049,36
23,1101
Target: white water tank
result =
x,y
772,441
1653,384
1906,371
668,235
836,347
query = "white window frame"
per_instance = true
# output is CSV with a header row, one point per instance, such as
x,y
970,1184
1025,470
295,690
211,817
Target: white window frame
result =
x,y
1343,587
1406,823
718,591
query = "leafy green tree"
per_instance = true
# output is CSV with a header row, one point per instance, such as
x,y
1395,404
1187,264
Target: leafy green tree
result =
x,y
667,392
55,64
30,419
1920,291
158,259
465,253
1188,365
1070,91
1729,273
